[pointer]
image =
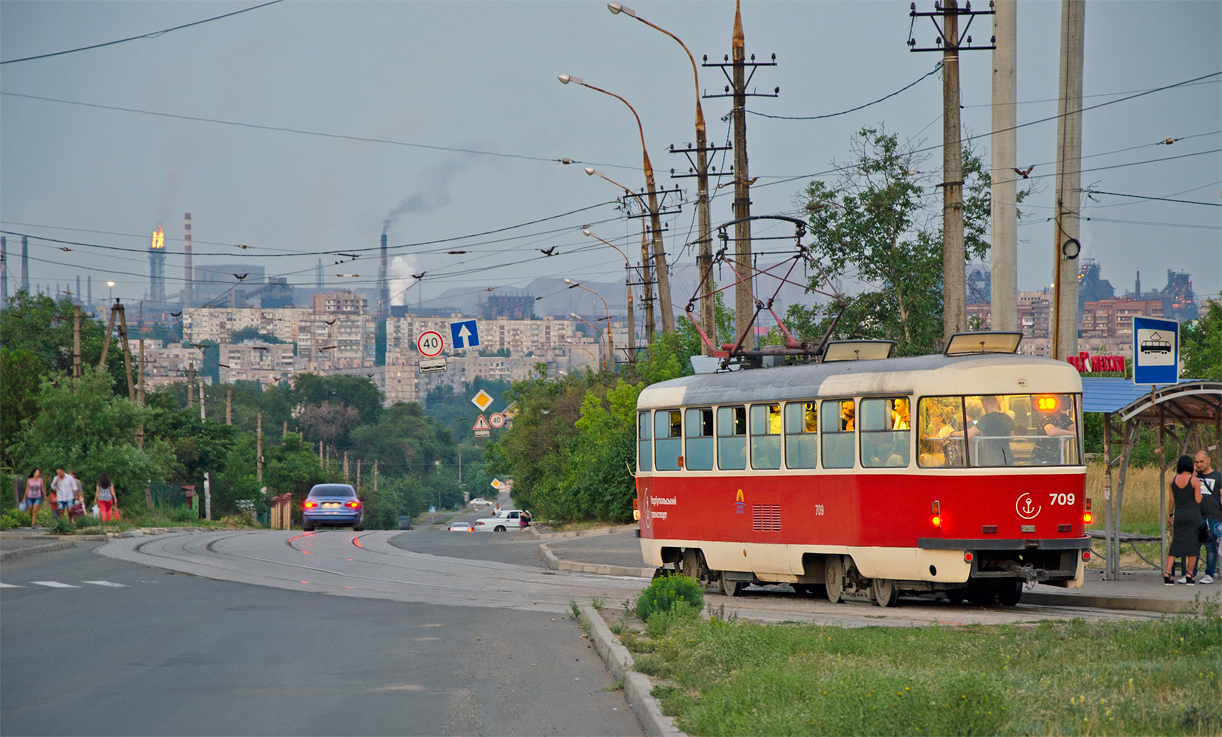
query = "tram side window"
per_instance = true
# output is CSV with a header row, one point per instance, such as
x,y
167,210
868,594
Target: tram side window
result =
x,y
838,417
731,438
801,436
644,442
667,439
766,436
885,433
937,419
698,456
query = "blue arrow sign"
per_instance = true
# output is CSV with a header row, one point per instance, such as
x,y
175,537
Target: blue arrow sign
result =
x,y
464,334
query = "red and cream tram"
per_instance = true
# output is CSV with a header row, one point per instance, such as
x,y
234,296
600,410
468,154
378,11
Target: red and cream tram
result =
x,y
953,473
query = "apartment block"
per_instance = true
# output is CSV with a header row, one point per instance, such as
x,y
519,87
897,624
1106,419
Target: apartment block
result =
x,y
165,365
1113,318
266,363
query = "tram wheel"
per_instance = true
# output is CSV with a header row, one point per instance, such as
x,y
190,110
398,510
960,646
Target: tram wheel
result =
x,y
1009,592
731,588
884,592
833,578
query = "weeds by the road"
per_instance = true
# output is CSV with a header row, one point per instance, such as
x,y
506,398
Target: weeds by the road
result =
x,y
1125,677
133,518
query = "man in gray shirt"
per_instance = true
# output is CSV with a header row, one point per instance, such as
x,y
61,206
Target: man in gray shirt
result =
x,y
1211,512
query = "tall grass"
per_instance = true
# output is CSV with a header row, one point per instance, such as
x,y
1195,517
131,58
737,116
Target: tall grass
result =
x,y
1140,509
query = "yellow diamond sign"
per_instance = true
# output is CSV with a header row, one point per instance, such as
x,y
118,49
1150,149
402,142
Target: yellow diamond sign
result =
x,y
483,400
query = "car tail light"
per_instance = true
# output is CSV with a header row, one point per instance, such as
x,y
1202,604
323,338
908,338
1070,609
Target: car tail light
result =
x,y
354,505
479,522
309,505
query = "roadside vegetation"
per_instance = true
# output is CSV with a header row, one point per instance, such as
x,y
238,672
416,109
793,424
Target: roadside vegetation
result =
x,y
722,676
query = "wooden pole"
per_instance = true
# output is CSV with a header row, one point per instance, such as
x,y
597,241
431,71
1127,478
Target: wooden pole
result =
x,y
110,328
76,345
1108,517
127,353
259,447
1162,485
229,406
358,475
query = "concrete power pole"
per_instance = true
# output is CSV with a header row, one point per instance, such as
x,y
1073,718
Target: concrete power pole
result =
x,y
259,447
1004,297
229,406
76,345
743,302
954,259
1068,181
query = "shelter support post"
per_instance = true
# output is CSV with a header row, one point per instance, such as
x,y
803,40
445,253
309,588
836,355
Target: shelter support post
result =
x,y
1109,535
1162,480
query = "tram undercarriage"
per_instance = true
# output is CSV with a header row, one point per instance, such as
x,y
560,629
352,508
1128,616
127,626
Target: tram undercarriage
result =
x,y
995,577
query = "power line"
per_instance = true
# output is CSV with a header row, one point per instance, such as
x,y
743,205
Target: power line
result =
x,y
933,71
304,132
1147,197
153,34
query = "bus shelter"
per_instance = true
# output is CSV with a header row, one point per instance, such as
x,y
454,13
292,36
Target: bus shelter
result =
x,y
1177,411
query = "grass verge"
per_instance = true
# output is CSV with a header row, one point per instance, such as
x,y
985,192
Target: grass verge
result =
x,y
1055,678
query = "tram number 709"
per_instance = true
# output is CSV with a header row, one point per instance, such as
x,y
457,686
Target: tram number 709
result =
x,y
1060,499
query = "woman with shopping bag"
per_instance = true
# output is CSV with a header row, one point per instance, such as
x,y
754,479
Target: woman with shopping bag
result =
x,y
107,499
33,496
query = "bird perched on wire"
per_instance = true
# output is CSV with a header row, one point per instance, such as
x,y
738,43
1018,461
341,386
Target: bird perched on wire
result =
x,y
1024,172
548,251
489,289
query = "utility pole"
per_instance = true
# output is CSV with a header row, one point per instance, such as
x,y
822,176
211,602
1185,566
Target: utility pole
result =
x,y
345,465
1066,246
76,345
375,477
259,447
190,386
202,416
229,405
127,353
1004,297
950,42
110,329
358,475
744,305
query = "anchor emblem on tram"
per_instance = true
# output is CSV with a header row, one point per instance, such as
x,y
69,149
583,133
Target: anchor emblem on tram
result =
x,y
1026,507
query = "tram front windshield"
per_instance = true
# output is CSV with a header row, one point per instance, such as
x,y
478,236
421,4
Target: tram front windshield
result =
x,y
999,430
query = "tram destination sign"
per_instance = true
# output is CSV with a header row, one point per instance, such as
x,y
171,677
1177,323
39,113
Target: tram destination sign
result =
x,y
1156,351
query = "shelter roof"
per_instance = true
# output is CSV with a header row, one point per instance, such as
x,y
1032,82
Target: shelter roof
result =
x,y
1190,401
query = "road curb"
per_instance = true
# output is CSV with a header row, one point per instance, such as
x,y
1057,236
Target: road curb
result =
x,y
579,533
602,569
637,686
1130,603
35,549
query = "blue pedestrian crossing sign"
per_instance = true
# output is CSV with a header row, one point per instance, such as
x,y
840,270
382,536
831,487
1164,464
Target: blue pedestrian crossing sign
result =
x,y
464,334
1156,351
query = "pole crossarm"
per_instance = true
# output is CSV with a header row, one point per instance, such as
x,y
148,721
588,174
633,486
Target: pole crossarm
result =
x,y
942,41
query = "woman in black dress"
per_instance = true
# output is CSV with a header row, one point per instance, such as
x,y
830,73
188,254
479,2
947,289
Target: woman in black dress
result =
x,y
1186,493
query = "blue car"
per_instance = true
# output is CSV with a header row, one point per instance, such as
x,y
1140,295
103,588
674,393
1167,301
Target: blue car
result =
x,y
332,505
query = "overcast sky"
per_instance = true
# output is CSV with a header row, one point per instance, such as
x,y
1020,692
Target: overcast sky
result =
x,y
470,119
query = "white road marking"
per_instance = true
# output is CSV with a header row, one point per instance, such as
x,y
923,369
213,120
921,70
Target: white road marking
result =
x,y
55,584
107,583
9,586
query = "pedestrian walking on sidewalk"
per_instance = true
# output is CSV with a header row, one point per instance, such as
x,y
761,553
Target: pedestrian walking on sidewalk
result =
x,y
105,496
1186,493
64,487
1211,513
33,496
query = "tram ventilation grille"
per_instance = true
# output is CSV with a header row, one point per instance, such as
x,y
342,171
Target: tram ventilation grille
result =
x,y
766,517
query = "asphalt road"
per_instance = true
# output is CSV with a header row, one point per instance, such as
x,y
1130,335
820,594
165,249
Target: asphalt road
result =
x,y
120,648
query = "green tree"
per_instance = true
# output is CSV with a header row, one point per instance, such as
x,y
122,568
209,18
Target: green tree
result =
x,y
1201,344
357,392
879,223
89,429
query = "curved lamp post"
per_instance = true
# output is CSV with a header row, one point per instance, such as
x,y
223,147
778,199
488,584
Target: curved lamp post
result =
x,y
610,339
575,344
646,280
631,319
705,257
655,222
601,337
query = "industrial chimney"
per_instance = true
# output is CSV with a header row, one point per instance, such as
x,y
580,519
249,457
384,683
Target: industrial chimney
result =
x,y
187,296
383,286
25,264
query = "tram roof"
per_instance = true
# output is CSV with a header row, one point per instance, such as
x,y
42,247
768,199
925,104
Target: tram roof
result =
x,y
845,378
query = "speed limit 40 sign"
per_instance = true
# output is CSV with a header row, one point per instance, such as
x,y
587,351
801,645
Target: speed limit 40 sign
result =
x,y
430,343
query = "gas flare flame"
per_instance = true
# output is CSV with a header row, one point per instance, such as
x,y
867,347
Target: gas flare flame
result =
x,y
158,239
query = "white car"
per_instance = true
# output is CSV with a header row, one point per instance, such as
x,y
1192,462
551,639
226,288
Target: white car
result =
x,y
477,503
508,519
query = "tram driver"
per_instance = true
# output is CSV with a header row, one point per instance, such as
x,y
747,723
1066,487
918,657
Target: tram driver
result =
x,y
1057,424
991,446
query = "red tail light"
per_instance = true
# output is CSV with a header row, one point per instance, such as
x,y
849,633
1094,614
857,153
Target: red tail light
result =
x,y
354,505
309,505
937,513
1085,555
1087,516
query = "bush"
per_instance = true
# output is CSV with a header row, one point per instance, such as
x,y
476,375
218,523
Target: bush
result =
x,y
13,519
60,525
665,593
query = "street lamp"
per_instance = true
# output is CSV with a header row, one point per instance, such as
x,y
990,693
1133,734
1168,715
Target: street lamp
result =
x,y
601,337
582,347
610,340
645,275
655,221
111,290
631,319
705,257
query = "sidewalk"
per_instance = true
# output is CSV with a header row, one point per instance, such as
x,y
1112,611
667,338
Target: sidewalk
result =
x,y
617,552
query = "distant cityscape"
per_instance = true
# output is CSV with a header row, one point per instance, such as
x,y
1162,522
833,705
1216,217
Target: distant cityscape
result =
x,y
238,325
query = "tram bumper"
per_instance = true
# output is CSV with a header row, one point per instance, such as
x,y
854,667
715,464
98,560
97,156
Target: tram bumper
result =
x,y
1054,561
